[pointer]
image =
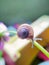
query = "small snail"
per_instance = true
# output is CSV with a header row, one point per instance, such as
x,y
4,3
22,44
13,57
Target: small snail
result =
x,y
25,31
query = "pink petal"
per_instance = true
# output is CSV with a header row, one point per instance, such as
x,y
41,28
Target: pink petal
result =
x,y
8,60
6,38
1,44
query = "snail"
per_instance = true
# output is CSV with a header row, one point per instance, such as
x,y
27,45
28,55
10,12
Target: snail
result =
x,y
25,31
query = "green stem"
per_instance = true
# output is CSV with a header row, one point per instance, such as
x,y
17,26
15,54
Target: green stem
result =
x,y
41,48
1,53
10,32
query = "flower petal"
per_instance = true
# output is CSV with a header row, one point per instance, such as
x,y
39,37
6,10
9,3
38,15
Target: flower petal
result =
x,y
1,44
6,38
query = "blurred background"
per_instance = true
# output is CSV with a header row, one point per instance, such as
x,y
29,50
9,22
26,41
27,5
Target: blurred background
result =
x,y
13,11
